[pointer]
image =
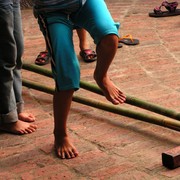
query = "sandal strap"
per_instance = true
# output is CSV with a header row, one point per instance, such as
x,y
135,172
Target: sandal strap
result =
x,y
157,10
171,7
42,54
128,36
88,52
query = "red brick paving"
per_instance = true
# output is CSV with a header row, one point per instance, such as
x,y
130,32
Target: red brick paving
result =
x,y
110,146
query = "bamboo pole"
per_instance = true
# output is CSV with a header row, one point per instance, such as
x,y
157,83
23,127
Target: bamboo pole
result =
x,y
129,99
169,123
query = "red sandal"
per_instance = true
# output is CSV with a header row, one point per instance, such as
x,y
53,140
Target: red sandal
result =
x,y
43,58
171,10
88,55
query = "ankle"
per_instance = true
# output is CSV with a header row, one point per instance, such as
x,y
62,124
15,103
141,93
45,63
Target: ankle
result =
x,y
99,78
60,133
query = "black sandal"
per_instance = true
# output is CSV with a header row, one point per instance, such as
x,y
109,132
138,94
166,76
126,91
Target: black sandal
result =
x,y
128,40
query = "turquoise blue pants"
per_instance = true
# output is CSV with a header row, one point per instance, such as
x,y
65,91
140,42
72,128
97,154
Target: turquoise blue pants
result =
x,y
95,18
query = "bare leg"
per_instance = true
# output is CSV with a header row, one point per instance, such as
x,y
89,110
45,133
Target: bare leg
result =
x,y
26,117
61,103
106,51
83,43
19,127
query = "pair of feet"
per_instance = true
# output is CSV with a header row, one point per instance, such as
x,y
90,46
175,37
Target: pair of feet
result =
x,y
22,126
63,146
87,55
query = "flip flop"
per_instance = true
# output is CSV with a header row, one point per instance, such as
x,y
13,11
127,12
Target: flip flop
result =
x,y
88,55
171,10
128,40
43,58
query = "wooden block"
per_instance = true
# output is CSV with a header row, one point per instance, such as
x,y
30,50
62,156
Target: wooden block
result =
x,y
171,158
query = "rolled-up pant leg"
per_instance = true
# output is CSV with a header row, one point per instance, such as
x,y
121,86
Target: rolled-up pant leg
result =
x,y
96,19
10,83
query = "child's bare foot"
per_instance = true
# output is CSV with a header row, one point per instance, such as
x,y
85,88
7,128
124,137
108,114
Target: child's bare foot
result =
x,y
18,127
26,117
64,148
111,92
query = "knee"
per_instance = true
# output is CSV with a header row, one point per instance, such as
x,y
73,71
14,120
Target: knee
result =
x,y
110,40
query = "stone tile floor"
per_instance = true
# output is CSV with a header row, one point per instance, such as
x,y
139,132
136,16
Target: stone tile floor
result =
x,y
111,146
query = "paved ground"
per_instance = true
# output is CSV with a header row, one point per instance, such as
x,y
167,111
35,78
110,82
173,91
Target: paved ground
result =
x,y
111,146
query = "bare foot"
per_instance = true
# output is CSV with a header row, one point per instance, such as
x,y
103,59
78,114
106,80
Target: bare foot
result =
x,y
64,148
26,117
111,92
18,127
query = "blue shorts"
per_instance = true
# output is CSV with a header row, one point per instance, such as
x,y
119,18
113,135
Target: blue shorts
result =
x,y
95,18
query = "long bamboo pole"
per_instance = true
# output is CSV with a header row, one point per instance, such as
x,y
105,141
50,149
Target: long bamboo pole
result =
x,y
129,99
169,123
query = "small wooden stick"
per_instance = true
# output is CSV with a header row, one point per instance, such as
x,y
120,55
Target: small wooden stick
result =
x,y
171,158
170,123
